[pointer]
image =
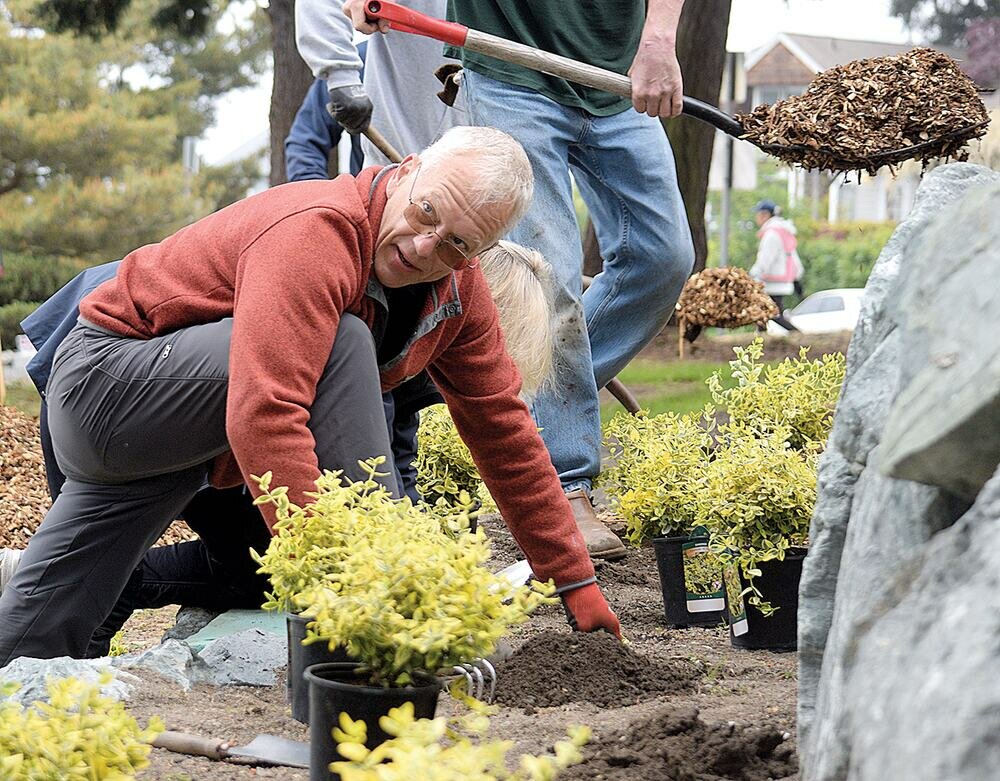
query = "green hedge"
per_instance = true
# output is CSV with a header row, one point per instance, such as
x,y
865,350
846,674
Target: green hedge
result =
x,y
11,316
35,278
833,254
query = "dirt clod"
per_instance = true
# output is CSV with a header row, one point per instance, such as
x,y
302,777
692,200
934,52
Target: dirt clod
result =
x,y
676,745
556,668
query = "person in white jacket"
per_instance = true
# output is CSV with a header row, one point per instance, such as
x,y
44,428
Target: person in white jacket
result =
x,y
778,265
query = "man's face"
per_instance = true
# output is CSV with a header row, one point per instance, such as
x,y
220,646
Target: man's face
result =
x,y
762,217
408,255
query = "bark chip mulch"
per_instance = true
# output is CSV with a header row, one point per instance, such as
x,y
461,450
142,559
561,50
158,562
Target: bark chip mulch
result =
x,y
724,298
676,745
24,492
556,668
852,115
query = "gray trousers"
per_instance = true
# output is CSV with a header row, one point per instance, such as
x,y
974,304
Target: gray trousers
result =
x,y
134,426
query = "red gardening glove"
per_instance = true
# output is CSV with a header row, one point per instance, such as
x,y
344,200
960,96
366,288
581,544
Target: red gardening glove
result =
x,y
587,610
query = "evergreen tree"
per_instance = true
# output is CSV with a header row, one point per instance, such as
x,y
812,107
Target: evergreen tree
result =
x,y
91,130
944,21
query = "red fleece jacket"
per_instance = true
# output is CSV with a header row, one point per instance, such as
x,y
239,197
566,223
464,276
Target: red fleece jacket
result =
x,y
285,264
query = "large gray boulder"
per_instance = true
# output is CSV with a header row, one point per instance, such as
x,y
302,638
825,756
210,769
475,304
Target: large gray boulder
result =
x,y
870,530
945,425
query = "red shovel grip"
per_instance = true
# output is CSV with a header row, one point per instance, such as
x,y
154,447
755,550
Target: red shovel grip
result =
x,y
409,21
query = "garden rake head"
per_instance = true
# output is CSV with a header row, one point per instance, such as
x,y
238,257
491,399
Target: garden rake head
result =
x,y
480,679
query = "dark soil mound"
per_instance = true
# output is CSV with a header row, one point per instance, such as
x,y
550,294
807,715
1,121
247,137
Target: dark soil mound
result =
x,y
638,568
675,745
555,668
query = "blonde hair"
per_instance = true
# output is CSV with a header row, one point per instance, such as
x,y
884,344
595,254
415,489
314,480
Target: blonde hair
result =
x,y
502,171
520,281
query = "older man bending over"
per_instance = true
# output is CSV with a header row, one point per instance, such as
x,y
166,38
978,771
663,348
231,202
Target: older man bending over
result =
x,y
260,338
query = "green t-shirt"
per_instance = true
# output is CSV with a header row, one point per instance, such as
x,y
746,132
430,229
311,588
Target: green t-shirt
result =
x,y
604,33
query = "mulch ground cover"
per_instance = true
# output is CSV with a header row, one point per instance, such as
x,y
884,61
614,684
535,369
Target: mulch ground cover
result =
x,y
24,492
556,668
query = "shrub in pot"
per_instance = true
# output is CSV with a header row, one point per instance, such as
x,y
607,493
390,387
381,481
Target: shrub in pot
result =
x,y
308,549
759,495
655,486
438,750
405,599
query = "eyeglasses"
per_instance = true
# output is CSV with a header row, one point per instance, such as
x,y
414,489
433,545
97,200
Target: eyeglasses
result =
x,y
453,252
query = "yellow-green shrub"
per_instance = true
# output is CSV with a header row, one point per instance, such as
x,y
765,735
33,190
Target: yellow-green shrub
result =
x,y
427,749
655,482
78,734
758,498
309,544
445,469
384,580
797,395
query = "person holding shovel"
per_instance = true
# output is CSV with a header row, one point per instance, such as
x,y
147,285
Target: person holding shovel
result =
x,y
259,339
622,163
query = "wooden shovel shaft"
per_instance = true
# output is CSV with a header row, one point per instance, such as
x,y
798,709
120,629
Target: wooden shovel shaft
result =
x,y
410,21
195,745
382,145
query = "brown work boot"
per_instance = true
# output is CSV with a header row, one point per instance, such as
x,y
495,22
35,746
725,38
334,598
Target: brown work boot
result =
x,y
601,541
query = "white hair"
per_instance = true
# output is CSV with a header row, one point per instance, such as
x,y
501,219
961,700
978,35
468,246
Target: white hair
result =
x,y
520,282
502,171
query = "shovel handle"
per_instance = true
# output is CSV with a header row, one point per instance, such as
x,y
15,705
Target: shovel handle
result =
x,y
382,144
195,745
410,21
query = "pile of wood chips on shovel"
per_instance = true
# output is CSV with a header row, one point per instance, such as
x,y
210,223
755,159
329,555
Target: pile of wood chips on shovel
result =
x,y
868,113
723,298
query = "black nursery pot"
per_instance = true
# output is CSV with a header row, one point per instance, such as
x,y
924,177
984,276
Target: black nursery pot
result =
x,y
779,584
684,608
299,658
333,690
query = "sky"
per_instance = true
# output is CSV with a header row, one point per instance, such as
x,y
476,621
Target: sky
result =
x,y
242,114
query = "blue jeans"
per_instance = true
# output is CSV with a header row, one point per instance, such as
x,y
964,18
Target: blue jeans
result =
x,y
624,168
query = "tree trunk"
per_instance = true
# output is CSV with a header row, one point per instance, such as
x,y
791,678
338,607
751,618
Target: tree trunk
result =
x,y
701,50
292,80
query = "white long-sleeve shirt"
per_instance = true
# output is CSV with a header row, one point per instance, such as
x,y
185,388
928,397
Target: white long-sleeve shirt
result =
x,y
399,73
772,259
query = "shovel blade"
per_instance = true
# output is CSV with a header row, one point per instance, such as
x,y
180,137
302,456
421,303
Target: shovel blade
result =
x,y
272,750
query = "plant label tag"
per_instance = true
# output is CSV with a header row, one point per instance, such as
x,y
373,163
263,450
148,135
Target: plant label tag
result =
x,y
734,601
702,574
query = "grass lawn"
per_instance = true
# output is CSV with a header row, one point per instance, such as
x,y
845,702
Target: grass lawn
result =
x,y
662,386
23,396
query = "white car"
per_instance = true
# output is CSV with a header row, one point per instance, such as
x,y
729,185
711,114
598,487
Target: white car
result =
x,y
824,311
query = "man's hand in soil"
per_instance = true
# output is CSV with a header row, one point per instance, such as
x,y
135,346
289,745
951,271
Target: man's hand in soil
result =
x,y
355,9
351,108
657,86
588,611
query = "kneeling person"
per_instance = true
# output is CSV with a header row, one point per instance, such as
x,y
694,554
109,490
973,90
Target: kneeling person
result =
x,y
260,338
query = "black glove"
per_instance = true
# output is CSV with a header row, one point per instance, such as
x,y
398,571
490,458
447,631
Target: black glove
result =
x,y
350,107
